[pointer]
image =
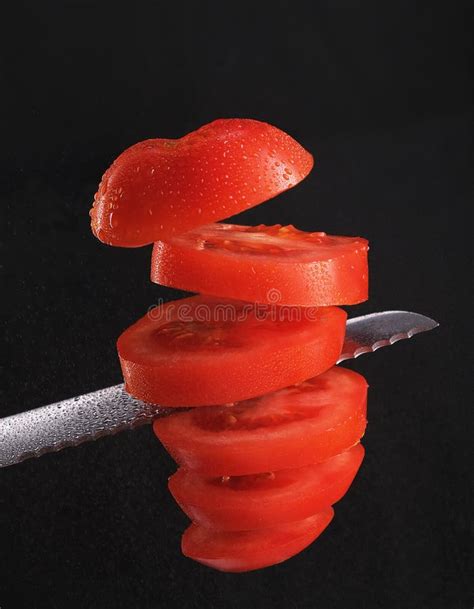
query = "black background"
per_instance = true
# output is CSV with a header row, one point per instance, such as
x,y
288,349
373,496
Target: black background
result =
x,y
379,92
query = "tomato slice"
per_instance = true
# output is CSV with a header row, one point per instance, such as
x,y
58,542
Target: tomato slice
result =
x,y
160,187
201,351
264,264
238,503
293,427
238,551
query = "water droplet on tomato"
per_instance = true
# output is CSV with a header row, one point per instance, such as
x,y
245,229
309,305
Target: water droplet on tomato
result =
x,y
113,221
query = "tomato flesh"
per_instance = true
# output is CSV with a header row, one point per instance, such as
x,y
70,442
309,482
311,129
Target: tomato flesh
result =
x,y
276,264
201,351
160,187
240,503
240,551
293,427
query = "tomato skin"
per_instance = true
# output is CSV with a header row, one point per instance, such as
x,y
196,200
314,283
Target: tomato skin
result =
x,y
332,271
264,501
160,187
240,551
250,356
283,437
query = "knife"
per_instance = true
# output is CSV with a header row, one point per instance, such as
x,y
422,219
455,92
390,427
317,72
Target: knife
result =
x,y
107,411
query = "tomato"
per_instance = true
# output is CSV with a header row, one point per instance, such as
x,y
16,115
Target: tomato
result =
x,y
202,351
264,264
160,187
238,551
293,427
265,500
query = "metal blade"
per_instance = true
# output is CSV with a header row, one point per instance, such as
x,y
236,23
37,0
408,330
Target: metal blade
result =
x,y
108,411
367,333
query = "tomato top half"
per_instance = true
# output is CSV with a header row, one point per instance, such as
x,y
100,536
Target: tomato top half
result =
x,y
160,187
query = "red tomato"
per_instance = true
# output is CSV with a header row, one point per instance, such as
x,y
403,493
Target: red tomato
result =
x,y
293,427
201,351
238,551
266,500
159,187
264,264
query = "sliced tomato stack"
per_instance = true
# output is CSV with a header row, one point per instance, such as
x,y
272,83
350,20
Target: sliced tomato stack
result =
x,y
273,439
264,466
